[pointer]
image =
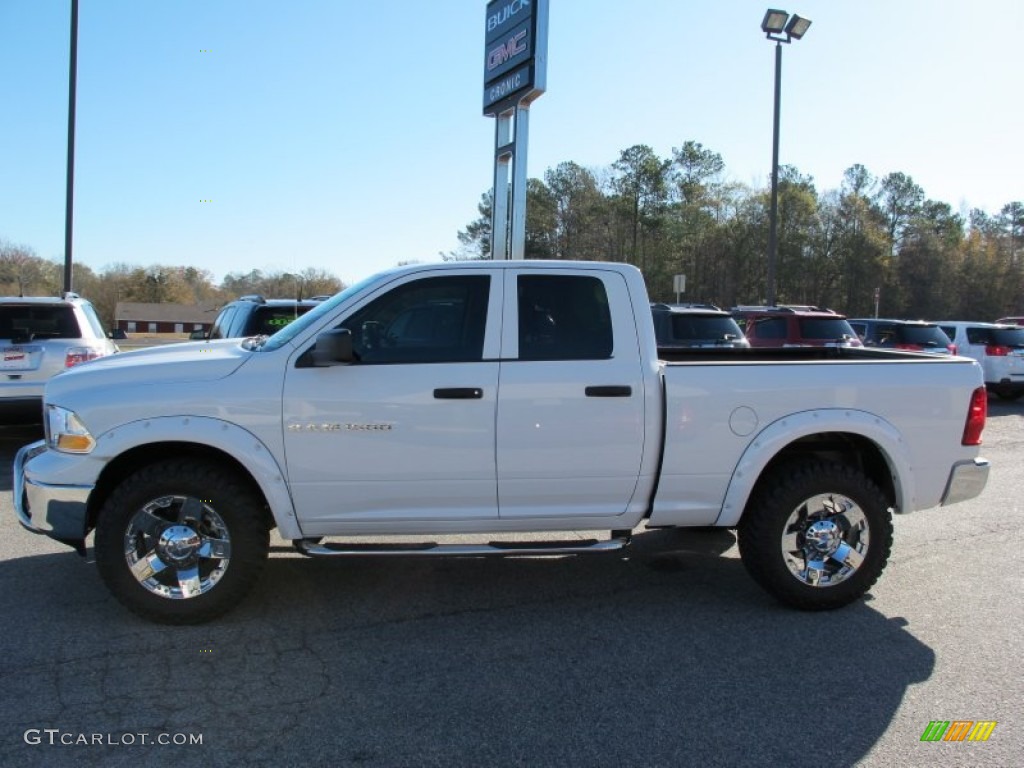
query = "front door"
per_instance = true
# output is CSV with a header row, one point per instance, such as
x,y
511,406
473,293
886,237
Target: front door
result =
x,y
405,433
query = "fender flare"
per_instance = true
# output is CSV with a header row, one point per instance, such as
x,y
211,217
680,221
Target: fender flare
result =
x,y
784,431
235,441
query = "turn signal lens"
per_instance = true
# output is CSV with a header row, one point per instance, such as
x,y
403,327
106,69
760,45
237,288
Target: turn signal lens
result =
x,y
66,432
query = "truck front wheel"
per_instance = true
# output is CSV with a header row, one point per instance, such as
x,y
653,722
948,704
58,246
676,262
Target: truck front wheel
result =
x,y
181,541
816,535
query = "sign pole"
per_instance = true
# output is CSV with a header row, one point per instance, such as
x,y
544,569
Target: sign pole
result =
x,y
515,70
519,183
504,152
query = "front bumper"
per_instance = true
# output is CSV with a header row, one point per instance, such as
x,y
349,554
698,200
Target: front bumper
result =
x,y
967,479
57,511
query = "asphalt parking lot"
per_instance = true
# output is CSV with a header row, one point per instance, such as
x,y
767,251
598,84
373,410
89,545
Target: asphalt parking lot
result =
x,y
669,656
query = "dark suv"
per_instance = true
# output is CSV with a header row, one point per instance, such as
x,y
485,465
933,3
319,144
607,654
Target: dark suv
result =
x,y
913,335
256,316
789,325
685,326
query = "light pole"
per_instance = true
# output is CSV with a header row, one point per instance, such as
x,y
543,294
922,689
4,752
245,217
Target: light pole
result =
x,y
775,24
70,196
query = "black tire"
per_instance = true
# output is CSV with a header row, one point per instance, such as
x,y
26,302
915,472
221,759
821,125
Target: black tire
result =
x,y
795,511
205,528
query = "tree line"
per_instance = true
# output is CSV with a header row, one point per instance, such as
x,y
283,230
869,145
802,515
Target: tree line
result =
x,y
873,239
22,273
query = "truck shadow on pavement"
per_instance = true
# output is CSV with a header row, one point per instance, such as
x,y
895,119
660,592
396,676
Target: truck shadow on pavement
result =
x,y
667,656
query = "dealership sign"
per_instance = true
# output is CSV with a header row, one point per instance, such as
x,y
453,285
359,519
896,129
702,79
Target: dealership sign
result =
x,y
515,53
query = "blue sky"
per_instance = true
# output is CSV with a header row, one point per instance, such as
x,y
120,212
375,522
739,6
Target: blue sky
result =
x,y
349,136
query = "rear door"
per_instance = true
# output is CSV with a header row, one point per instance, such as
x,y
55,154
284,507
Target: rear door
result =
x,y
570,426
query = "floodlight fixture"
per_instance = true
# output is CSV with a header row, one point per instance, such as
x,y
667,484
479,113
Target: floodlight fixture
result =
x,y
774,22
797,27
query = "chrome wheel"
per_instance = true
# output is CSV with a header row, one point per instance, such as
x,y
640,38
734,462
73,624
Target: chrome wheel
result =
x,y
825,540
177,547
816,534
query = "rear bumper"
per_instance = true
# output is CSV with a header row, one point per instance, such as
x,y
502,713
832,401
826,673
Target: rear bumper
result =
x,y
57,511
1007,386
967,479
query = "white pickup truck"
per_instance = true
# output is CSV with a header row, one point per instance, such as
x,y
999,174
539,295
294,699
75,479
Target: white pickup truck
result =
x,y
491,397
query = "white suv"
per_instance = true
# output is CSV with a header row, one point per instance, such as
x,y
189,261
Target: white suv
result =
x,y
40,337
999,349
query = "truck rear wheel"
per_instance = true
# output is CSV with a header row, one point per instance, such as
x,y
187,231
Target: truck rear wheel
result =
x,y
816,535
181,541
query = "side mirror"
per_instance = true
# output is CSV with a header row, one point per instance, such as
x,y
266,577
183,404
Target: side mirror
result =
x,y
117,334
333,347
198,335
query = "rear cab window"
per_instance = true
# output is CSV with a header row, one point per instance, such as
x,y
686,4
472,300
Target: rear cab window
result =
x,y
1007,337
692,327
26,323
923,335
267,321
825,328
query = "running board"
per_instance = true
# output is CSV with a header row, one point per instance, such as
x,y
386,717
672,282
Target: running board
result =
x,y
311,548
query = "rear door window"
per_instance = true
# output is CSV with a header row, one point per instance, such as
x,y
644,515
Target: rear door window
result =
x,y
977,335
770,327
563,317
223,323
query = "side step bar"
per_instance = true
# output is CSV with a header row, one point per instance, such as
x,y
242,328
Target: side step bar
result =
x,y
619,540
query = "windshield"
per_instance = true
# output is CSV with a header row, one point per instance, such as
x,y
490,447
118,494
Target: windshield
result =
x,y
293,329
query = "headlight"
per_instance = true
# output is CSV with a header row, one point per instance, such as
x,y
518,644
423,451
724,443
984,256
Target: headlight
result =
x,y
66,432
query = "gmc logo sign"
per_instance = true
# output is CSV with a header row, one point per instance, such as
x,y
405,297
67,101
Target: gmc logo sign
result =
x,y
515,52
508,49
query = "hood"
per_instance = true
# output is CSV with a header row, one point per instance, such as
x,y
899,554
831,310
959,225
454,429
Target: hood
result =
x,y
173,363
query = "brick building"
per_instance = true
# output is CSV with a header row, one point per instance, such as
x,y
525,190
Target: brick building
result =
x,y
140,317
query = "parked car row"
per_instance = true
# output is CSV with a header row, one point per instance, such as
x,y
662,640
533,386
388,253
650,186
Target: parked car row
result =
x,y
998,347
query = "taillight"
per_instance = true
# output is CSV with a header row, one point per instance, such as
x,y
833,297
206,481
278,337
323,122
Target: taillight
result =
x,y
996,350
77,355
910,347
952,349
976,413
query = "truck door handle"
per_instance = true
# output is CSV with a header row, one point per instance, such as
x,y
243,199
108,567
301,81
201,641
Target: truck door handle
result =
x,y
610,390
458,393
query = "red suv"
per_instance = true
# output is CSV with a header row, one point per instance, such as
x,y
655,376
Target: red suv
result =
x,y
789,325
